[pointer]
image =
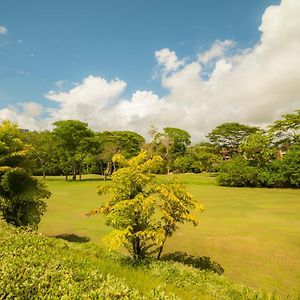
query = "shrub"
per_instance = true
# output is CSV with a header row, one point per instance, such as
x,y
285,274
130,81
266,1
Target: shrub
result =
x,y
238,172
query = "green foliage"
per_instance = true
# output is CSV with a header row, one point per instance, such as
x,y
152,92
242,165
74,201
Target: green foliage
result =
x,y
202,283
36,267
142,212
286,130
185,164
289,168
20,193
13,151
33,267
230,135
169,144
256,165
257,149
180,139
238,172
71,136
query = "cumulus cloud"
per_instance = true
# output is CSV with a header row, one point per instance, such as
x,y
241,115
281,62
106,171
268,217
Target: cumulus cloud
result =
x,y
90,101
168,60
26,115
254,86
217,50
3,30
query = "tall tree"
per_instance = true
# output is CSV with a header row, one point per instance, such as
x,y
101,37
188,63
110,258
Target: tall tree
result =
x,y
228,136
287,130
127,143
170,144
257,149
69,134
42,149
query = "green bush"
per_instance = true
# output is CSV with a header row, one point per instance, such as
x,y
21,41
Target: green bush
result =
x,y
20,198
238,172
34,267
289,167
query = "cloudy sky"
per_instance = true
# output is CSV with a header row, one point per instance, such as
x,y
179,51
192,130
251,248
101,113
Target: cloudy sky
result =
x,y
129,64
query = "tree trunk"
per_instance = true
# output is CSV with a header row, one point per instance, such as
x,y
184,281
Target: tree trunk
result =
x,y
79,169
74,170
161,248
44,171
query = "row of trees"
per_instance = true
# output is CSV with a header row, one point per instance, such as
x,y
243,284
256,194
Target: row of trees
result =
x,y
72,148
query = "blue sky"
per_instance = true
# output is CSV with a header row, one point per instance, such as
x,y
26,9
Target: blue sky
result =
x,y
56,40
50,45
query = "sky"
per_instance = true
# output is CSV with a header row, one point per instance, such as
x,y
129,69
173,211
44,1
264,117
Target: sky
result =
x,y
130,64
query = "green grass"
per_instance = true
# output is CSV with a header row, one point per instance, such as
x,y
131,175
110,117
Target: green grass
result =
x,y
253,233
35,267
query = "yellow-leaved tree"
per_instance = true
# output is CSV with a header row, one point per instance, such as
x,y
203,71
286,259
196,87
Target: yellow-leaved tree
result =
x,y
143,212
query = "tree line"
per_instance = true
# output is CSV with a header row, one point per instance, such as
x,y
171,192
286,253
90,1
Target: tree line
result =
x,y
142,212
243,155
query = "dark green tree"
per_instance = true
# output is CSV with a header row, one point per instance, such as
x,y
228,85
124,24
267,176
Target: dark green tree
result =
x,y
20,193
69,134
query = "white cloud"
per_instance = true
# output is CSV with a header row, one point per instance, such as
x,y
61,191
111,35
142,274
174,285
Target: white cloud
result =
x,y
88,101
168,59
217,50
32,109
3,30
25,115
254,86
59,84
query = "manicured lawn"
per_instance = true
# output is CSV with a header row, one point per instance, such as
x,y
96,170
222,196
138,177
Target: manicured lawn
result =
x,y
253,233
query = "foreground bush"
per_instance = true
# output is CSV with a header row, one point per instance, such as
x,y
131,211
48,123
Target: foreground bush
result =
x,y
36,267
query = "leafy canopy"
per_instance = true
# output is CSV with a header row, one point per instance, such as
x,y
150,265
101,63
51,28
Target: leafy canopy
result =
x,y
20,193
142,212
230,135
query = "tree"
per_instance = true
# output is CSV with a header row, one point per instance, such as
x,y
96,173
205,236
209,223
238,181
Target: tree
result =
x,y
289,167
257,148
142,212
170,144
69,134
205,157
286,130
127,143
228,136
20,193
42,149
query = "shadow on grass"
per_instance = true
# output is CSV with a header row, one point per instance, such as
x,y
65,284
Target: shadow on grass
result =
x,y
199,262
70,237
94,179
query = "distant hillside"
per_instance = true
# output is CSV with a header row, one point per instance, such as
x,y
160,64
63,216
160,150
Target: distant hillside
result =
x,y
36,267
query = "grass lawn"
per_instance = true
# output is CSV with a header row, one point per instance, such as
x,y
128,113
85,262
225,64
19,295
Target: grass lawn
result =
x,y
253,233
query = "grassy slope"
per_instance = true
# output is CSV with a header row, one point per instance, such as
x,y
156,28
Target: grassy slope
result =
x,y
36,267
253,233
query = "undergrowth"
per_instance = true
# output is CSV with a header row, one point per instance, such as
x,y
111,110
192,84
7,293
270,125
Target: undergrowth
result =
x,y
35,267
